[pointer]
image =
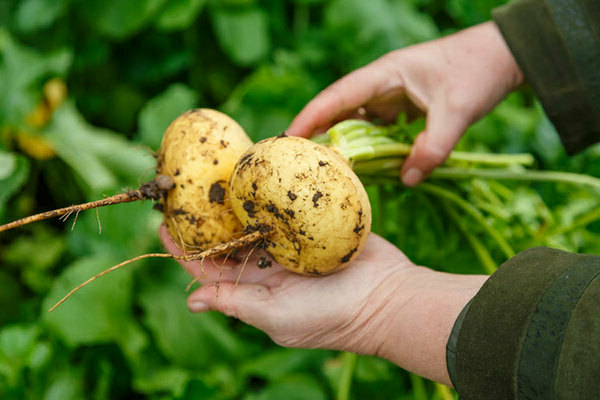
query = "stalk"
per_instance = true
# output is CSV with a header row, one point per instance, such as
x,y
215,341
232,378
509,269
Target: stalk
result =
x,y
359,140
369,151
480,250
389,168
519,175
378,151
472,211
345,383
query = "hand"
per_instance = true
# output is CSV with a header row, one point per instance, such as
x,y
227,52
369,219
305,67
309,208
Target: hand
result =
x,y
298,311
382,304
454,80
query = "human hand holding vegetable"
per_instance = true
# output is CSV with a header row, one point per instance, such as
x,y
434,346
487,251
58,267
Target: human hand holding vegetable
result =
x,y
381,305
455,80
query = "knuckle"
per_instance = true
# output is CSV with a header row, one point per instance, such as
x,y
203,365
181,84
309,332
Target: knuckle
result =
x,y
230,310
456,104
434,155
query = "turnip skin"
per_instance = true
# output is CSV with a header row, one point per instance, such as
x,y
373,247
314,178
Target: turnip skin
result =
x,y
199,150
309,196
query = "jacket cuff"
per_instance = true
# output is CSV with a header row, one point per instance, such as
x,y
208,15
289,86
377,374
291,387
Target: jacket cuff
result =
x,y
532,330
557,46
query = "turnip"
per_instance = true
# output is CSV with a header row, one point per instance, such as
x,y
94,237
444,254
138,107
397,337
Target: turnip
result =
x,y
198,151
314,208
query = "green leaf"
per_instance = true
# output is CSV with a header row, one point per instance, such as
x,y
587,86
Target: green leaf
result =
x,y
275,364
471,12
242,33
98,313
7,164
120,19
34,264
17,342
22,70
122,230
160,111
154,377
262,104
200,390
65,385
376,27
40,355
14,171
23,249
103,159
413,24
292,387
32,15
186,339
10,298
179,14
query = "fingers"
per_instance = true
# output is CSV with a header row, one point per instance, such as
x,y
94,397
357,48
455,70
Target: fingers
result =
x,y
247,302
343,97
433,146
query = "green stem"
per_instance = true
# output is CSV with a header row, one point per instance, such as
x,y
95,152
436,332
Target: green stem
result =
x,y
481,252
348,364
369,151
418,386
523,175
580,221
381,205
361,140
444,392
473,212
390,167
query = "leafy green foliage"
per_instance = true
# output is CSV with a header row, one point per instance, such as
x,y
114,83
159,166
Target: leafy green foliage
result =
x,y
102,159
14,170
157,113
242,33
129,68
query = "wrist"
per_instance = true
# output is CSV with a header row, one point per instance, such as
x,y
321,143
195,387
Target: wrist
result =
x,y
504,57
416,319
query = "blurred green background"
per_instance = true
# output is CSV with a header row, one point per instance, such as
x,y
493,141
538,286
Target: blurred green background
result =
x,y
88,87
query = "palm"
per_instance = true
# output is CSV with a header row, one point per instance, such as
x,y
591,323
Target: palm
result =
x,y
297,310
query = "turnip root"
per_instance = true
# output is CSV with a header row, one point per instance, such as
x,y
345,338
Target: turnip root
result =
x,y
315,209
199,151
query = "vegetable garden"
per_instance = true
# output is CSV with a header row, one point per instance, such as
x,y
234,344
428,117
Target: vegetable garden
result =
x,y
89,89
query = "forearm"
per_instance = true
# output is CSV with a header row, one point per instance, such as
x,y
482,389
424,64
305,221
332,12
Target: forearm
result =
x,y
413,326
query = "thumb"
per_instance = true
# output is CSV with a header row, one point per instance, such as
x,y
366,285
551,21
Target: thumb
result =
x,y
247,302
433,146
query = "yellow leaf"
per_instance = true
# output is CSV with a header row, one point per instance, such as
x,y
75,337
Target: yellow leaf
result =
x,y
39,117
35,146
55,93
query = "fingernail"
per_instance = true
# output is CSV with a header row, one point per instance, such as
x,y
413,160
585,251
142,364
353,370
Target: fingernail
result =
x,y
412,176
198,306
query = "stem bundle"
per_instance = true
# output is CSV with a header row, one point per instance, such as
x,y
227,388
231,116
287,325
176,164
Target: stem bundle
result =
x,y
377,152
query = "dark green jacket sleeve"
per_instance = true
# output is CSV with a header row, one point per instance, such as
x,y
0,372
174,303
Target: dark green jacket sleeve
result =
x,y
532,331
557,45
